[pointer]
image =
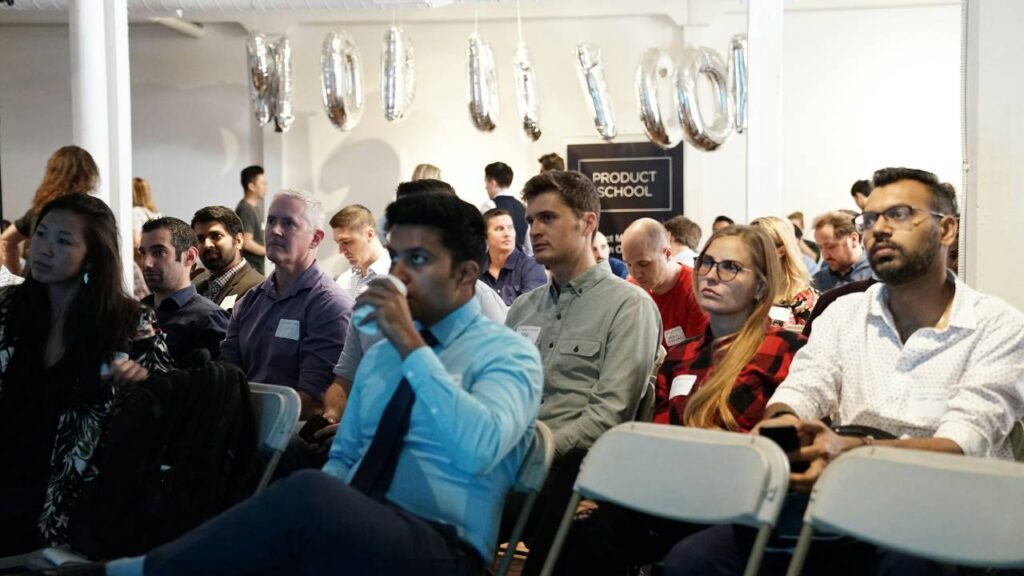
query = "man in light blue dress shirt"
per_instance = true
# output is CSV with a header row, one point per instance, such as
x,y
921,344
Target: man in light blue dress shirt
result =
x,y
477,390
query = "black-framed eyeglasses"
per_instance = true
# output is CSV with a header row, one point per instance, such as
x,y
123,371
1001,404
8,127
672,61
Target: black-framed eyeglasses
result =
x,y
727,269
898,215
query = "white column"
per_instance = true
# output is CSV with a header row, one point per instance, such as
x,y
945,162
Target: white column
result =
x,y
764,108
89,125
118,82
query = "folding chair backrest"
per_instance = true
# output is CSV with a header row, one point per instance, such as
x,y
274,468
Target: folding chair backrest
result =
x,y
534,469
951,509
713,476
277,410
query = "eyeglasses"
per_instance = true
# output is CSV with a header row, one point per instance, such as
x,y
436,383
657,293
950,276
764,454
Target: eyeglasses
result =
x,y
898,216
727,269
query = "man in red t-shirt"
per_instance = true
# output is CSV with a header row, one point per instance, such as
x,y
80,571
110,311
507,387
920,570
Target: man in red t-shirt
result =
x,y
647,253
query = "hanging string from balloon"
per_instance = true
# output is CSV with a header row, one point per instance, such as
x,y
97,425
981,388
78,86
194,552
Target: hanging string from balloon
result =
x,y
519,22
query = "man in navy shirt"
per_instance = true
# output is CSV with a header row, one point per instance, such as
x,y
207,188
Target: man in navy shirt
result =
x,y
189,321
507,270
497,181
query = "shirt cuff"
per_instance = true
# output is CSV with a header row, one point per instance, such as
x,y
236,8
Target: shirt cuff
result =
x,y
799,402
967,437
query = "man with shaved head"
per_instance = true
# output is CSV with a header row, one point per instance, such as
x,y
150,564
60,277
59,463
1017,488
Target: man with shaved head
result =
x,y
648,254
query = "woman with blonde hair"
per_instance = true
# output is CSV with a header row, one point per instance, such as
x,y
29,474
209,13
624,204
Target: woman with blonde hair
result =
x,y
723,381
795,297
70,170
426,172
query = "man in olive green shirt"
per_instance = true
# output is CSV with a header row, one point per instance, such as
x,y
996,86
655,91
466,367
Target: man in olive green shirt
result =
x,y
597,335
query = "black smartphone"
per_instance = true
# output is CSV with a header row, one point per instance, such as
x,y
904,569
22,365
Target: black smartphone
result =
x,y
787,439
311,427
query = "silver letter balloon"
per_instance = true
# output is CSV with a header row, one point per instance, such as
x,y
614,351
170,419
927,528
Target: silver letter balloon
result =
x,y
595,89
397,74
261,63
693,63
282,85
738,80
654,87
341,75
526,92
484,101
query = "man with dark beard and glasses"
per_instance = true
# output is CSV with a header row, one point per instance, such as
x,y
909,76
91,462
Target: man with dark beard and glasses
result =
x,y
920,355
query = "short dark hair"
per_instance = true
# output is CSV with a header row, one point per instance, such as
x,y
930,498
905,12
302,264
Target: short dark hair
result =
x,y
500,173
943,194
861,187
459,223
684,231
575,189
249,174
725,219
551,161
226,216
183,236
494,213
425,186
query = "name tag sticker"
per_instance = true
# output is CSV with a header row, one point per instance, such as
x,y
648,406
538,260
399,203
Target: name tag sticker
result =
x,y
682,385
779,314
927,403
287,329
674,336
532,333
229,302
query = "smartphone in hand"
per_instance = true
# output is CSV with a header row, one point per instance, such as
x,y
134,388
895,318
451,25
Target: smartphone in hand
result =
x,y
787,439
314,424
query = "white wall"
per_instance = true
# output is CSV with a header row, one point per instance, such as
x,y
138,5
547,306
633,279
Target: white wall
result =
x,y
995,222
863,88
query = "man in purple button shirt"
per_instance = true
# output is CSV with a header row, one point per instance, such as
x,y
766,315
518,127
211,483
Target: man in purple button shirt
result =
x,y
290,329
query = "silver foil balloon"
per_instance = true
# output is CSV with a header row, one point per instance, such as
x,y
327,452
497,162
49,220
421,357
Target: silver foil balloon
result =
x,y
341,75
484,101
590,67
691,65
397,74
654,87
284,114
738,80
526,92
261,66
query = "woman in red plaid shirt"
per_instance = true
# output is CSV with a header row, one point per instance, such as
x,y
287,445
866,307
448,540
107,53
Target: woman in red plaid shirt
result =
x,y
726,377
723,380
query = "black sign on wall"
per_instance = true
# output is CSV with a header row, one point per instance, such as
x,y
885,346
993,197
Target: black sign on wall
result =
x,y
634,180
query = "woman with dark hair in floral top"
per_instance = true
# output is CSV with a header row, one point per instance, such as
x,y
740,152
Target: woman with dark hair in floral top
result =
x,y
70,340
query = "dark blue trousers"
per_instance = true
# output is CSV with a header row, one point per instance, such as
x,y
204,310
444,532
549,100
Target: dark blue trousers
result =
x,y
311,523
723,551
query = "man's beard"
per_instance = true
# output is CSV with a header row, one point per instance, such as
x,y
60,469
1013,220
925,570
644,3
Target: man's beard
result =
x,y
914,266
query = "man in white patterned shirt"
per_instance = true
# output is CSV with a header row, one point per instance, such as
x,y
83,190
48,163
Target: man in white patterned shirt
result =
x,y
920,355
355,233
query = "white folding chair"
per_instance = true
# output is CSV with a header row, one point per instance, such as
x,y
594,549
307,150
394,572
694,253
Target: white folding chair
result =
x,y
946,508
529,480
277,411
729,478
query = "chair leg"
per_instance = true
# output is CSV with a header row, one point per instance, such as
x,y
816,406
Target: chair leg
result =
x,y
516,535
803,545
563,531
757,552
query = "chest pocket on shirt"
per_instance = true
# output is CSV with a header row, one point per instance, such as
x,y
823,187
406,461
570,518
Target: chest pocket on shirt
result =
x,y
581,360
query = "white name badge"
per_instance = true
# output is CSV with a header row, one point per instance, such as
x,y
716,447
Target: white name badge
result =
x,y
532,333
674,336
682,385
288,329
228,302
780,314
928,404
